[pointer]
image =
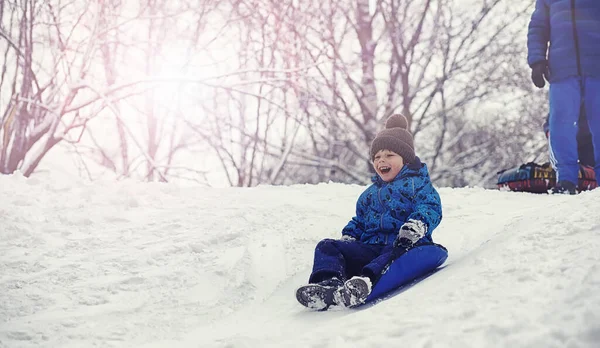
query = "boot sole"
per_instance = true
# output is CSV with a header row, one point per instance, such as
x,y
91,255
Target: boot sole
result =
x,y
315,296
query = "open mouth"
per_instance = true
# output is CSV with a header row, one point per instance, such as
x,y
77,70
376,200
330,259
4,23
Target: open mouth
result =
x,y
385,170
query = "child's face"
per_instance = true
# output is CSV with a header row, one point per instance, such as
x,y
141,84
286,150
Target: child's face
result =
x,y
387,164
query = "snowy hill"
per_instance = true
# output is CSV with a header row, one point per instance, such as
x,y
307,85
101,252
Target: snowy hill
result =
x,y
125,264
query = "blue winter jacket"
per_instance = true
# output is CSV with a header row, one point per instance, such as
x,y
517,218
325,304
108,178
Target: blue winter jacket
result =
x,y
385,206
572,30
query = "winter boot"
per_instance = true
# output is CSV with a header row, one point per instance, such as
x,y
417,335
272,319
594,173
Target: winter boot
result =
x,y
354,292
564,187
319,296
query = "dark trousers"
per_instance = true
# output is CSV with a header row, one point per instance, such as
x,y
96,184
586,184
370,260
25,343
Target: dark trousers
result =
x,y
345,259
585,147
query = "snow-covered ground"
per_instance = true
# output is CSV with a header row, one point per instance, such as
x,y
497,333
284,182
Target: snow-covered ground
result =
x,y
126,264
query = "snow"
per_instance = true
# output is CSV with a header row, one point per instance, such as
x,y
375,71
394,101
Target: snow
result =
x,y
128,264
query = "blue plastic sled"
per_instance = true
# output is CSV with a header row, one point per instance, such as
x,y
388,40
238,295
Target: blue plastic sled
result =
x,y
415,263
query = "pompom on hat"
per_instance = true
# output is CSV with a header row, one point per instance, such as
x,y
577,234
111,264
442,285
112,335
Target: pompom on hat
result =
x,y
395,137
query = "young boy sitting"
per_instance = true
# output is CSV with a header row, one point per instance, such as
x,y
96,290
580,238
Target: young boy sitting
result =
x,y
398,211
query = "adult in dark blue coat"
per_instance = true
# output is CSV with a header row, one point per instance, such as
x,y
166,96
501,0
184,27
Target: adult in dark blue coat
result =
x,y
564,48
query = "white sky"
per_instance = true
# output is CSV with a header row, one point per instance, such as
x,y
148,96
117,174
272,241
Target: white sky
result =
x,y
126,264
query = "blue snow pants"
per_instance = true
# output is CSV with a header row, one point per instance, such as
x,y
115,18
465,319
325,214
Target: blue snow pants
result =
x,y
345,259
566,97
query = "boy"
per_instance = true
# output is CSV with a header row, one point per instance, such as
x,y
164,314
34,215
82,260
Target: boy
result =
x,y
399,210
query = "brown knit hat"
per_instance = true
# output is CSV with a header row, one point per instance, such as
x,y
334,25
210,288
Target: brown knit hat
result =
x,y
395,137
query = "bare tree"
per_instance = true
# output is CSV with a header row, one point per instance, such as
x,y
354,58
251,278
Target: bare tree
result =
x,y
35,100
436,62
288,91
67,67
358,63
52,94
251,127
146,45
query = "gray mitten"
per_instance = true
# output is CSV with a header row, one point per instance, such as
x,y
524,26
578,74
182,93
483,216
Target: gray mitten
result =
x,y
410,233
347,238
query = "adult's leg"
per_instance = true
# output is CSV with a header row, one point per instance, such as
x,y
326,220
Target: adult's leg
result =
x,y
585,146
565,101
592,110
341,259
